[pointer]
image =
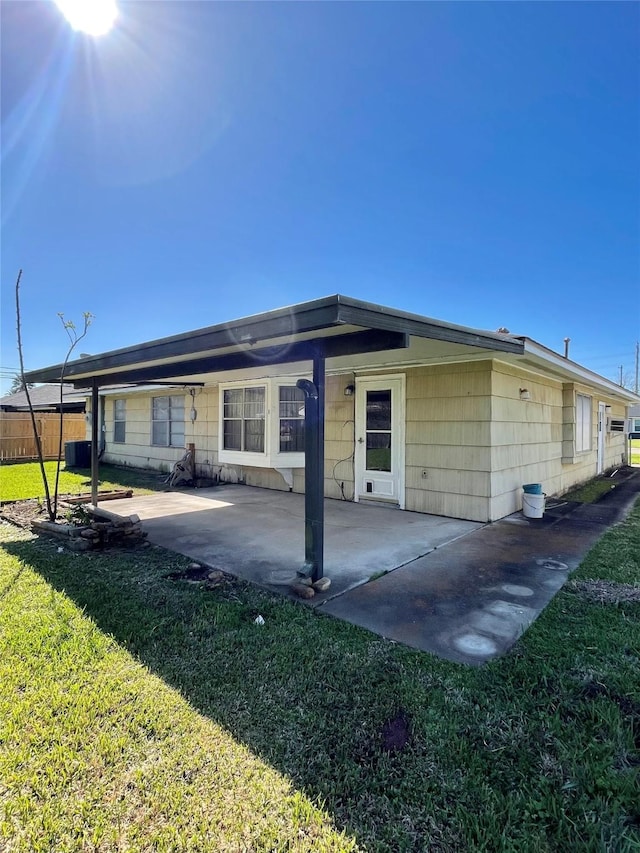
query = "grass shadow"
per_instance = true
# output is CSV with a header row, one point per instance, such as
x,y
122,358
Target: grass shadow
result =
x,y
324,702
311,696
137,479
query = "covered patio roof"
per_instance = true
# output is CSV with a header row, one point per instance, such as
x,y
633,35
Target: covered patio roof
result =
x,y
330,327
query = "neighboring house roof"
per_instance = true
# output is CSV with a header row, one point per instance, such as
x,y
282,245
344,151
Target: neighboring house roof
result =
x,y
337,328
44,398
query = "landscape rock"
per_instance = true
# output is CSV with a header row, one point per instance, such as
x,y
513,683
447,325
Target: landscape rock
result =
x,y
302,590
322,584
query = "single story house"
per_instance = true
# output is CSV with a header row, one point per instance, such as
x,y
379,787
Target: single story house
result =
x,y
425,415
44,398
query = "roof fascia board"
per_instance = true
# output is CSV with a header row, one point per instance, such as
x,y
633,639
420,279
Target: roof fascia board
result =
x,y
370,340
306,317
375,316
573,370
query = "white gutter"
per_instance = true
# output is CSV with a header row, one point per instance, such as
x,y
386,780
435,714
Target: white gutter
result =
x,y
134,389
576,371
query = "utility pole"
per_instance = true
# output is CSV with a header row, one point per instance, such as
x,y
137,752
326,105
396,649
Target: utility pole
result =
x,y
637,361
620,383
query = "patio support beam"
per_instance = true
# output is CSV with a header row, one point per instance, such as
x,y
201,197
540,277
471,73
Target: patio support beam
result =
x,y
94,440
335,346
314,470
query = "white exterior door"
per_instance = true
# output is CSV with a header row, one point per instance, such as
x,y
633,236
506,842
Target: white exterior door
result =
x,y
379,450
602,426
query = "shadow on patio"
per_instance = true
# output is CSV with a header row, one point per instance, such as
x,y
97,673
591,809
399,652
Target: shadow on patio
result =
x,y
258,534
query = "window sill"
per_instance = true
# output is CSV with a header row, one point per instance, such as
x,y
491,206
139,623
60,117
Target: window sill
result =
x,y
261,460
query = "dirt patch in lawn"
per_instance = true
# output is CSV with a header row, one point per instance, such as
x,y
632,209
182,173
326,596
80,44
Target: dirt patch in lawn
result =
x,y
396,733
606,592
22,513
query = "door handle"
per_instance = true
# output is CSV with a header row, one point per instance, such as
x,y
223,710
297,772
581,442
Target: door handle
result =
x,y
361,441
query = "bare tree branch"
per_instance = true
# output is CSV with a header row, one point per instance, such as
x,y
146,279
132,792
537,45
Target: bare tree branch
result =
x,y
74,338
30,404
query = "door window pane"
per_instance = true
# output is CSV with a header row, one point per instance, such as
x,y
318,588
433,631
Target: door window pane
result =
x,y
378,451
379,409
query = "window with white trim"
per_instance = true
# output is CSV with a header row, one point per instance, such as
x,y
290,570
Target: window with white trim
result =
x,y
583,423
262,424
291,415
167,421
119,421
243,419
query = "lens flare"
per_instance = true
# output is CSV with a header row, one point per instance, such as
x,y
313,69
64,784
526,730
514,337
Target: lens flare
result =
x,y
93,17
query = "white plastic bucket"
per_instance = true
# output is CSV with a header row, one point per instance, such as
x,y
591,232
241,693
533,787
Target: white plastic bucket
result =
x,y
533,505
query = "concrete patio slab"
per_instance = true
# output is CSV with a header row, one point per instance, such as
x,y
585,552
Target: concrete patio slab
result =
x,y
461,590
258,534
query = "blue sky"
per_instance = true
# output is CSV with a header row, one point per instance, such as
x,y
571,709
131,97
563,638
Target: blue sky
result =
x,y
474,162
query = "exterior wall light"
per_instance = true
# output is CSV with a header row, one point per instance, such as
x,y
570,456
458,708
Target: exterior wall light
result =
x,y
525,394
348,391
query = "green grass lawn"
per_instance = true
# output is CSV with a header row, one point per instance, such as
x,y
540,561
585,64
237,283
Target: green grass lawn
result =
x,y
24,480
141,713
591,491
635,451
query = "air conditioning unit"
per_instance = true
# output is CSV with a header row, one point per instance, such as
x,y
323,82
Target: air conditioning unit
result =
x,y
615,424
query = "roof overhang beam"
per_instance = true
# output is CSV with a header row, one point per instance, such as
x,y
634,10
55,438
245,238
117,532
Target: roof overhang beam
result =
x,y
370,340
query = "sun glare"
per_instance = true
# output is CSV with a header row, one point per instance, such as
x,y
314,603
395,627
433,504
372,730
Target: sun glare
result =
x,y
93,17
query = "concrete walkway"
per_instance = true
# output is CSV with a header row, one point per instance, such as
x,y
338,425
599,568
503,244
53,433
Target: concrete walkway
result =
x,y
470,600
461,590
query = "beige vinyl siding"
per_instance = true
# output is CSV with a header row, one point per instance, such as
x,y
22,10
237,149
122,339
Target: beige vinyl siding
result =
x,y
533,441
581,466
615,443
526,436
448,452
137,451
339,436
471,441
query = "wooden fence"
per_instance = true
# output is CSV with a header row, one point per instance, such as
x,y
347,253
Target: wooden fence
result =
x,y
17,440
